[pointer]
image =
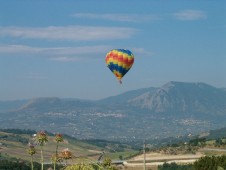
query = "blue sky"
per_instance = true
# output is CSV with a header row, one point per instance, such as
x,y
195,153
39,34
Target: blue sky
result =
x,y
53,48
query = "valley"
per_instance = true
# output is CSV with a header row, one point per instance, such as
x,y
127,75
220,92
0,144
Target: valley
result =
x,y
175,109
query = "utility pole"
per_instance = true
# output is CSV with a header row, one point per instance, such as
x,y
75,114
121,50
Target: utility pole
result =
x,y
144,152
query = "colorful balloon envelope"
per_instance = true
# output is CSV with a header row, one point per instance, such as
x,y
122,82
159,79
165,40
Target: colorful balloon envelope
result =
x,y
119,61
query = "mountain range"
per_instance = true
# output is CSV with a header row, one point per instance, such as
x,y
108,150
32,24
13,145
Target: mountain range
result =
x,y
176,108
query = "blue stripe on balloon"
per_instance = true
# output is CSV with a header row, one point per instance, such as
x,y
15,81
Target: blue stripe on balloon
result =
x,y
118,68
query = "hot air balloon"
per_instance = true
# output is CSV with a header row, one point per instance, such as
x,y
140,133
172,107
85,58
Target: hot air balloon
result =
x,y
119,61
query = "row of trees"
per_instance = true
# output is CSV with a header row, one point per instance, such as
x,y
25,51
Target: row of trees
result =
x,y
174,166
41,138
202,142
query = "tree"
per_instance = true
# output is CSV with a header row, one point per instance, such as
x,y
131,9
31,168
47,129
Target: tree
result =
x,y
31,151
55,157
42,138
210,163
218,142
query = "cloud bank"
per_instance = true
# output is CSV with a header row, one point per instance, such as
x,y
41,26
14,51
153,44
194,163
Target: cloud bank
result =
x,y
56,53
72,33
63,54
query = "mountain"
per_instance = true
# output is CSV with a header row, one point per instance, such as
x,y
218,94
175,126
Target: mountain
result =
x,y
54,104
125,97
178,97
176,108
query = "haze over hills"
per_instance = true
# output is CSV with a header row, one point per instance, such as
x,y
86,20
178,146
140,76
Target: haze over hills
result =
x,y
175,109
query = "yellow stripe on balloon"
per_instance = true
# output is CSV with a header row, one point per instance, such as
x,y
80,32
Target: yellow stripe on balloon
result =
x,y
115,62
120,64
117,74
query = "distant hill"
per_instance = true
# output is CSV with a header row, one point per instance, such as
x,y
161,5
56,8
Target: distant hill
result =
x,y
11,105
176,108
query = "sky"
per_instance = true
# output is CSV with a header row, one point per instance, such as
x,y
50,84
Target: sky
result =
x,y
57,48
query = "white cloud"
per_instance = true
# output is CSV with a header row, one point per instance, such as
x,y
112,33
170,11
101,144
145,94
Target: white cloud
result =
x,y
55,50
190,15
64,54
73,33
15,49
57,53
118,17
